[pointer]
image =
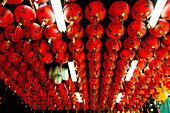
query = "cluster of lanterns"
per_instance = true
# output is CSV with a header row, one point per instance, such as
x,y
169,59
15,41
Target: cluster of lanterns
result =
x,y
27,48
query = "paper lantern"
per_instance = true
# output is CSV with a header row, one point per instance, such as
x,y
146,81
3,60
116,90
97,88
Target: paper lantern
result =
x,y
78,56
113,45
94,65
6,47
127,54
77,46
40,46
46,57
93,45
132,43
145,54
62,57
6,17
23,47
59,46
14,57
166,42
30,57
94,56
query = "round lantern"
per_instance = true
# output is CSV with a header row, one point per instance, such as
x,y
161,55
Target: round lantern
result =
x,y
46,57
160,95
59,46
23,47
165,14
111,56
33,31
31,57
14,57
166,42
24,15
2,58
145,54
81,73
107,73
78,46
1,35
36,66
51,32
78,56
127,55
93,45
161,53
45,15
94,31
40,46
95,11
151,43
141,11
155,63
132,43
109,64
40,1
74,31
80,65
6,47
72,13
94,80
94,56
13,33
62,57
22,67
160,29
113,45
115,30
6,17
122,64
94,65
119,11
136,29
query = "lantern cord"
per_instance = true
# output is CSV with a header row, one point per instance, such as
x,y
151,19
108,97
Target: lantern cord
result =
x,y
3,3
32,5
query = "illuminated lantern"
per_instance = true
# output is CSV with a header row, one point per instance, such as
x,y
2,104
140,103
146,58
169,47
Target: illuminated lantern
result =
x,y
94,80
165,84
15,2
33,31
94,56
31,57
36,66
132,43
109,64
165,14
120,73
160,95
45,15
59,46
13,33
94,65
95,11
51,32
81,73
145,54
14,57
23,47
127,55
119,11
160,29
115,30
94,31
136,29
72,13
161,53
142,11
111,56
78,46
24,15
6,17
107,73
94,73
93,45
40,46
166,42
122,64
46,57
155,63
113,45
80,65
78,56
6,47
62,57
151,43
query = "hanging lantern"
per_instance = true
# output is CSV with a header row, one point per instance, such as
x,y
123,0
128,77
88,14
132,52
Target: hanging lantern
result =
x,y
80,65
109,64
155,63
81,73
30,57
24,15
6,17
13,33
115,30
166,42
161,53
23,47
141,11
22,67
161,28
36,66
145,54
94,31
77,46
132,43
72,13
62,57
165,84
15,2
40,46
165,14
78,56
74,31
111,56
94,73
40,1
95,11
14,57
94,56
51,32
127,55
122,64
46,57
94,65
113,45
107,73
59,46
93,45
119,11
45,15
151,43
94,80
6,47
136,29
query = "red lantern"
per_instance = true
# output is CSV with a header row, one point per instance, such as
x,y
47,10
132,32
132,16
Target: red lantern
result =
x,y
132,43
24,15
127,54
72,13
46,57
109,64
94,65
6,17
33,31
81,73
145,54
94,31
161,53
95,11
151,43
93,45
1,35
31,57
107,73
77,46
136,29
155,63
23,47
115,30
62,57
122,64
166,42
15,2
94,56
13,33
78,56
141,10
51,32
40,1
94,73
74,31
94,80
2,58
40,46
165,12
36,66
113,45
59,46
14,57
22,67
161,28
45,14
111,56
6,47
119,11
80,65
